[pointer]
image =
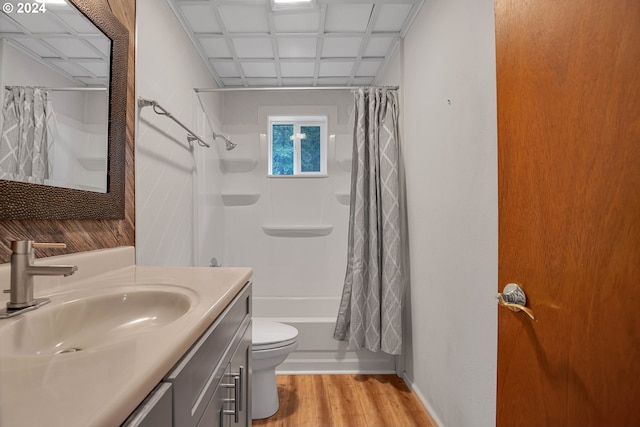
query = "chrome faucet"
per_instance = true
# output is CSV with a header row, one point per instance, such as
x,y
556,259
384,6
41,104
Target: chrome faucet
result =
x,y
22,272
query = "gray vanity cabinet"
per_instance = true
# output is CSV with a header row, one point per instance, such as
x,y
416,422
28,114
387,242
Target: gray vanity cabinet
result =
x,y
210,386
230,405
155,411
241,366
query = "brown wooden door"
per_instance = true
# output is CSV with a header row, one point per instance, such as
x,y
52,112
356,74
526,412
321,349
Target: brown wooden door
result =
x,y
568,79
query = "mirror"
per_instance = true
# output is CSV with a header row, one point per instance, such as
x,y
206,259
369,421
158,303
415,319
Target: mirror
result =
x,y
73,63
61,53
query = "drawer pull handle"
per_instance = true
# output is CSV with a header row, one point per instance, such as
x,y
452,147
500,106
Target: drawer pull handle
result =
x,y
241,375
236,399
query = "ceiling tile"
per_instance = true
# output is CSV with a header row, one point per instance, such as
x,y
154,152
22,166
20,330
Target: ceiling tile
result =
x,y
78,23
298,22
90,81
297,47
392,17
36,47
38,23
215,47
297,69
232,82
96,68
297,82
245,18
253,47
201,18
225,69
103,45
339,47
72,47
347,17
259,69
262,82
69,68
368,68
7,25
334,69
378,46
333,81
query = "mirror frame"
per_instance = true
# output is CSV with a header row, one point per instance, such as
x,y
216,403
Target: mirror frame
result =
x,y
20,200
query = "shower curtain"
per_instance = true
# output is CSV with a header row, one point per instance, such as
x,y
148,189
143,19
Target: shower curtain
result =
x,y
370,314
25,146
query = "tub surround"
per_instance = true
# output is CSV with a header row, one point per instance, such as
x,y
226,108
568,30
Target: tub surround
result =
x,y
318,352
101,386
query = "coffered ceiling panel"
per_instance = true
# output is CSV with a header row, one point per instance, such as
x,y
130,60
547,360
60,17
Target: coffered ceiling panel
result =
x,y
347,18
300,22
252,47
244,18
264,43
297,69
259,69
215,48
62,39
341,47
297,48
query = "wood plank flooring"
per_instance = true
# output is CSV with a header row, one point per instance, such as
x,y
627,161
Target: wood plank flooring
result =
x,y
346,401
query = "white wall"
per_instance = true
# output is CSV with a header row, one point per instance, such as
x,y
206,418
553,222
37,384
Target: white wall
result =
x,y
446,70
171,178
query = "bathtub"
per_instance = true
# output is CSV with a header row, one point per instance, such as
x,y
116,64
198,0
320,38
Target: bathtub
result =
x,y
318,352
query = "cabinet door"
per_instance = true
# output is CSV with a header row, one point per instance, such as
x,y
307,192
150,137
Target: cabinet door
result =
x,y
154,411
217,412
241,367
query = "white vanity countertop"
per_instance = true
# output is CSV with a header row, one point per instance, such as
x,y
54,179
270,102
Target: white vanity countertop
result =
x,y
101,387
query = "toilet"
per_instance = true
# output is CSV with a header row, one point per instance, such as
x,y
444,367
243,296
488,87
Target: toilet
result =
x,y
272,343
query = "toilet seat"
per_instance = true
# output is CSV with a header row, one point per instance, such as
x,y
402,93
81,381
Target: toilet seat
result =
x,y
268,335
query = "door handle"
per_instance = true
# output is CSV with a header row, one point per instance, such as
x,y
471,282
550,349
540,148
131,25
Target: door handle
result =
x,y
514,298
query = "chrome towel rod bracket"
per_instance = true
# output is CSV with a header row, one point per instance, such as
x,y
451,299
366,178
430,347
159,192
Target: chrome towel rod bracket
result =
x,y
159,109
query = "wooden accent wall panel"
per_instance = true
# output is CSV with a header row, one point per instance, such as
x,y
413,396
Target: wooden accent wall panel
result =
x,y
89,234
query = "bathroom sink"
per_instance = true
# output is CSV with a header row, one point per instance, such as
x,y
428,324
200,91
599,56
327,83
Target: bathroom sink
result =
x,y
82,322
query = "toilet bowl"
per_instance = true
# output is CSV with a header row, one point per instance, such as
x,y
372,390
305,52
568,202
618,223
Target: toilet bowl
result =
x,y
272,343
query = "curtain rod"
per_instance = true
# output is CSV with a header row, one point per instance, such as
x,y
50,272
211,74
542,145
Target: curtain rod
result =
x,y
278,88
70,89
190,137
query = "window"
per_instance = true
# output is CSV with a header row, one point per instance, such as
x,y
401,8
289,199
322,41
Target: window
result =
x,y
298,146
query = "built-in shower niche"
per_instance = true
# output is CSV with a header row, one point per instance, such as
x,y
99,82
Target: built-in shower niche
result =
x,y
240,167
297,230
342,162
343,197
240,199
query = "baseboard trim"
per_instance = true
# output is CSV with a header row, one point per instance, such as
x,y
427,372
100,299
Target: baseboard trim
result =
x,y
412,386
340,372
331,365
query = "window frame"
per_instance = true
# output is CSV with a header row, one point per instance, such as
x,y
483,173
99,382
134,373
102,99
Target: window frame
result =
x,y
298,122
